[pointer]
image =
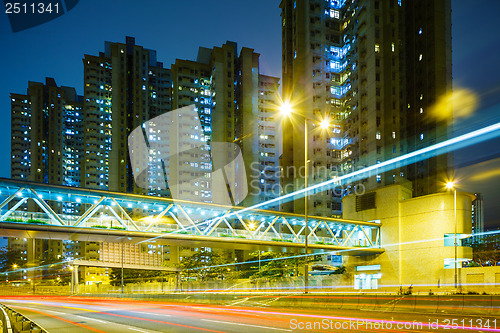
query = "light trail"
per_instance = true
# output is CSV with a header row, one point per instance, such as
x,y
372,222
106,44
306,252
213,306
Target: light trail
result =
x,y
458,142
464,140
338,318
486,233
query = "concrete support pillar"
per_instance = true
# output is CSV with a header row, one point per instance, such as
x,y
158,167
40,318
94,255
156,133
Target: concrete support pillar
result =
x,y
74,279
31,261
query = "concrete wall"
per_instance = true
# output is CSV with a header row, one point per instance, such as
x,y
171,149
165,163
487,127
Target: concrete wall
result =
x,y
412,234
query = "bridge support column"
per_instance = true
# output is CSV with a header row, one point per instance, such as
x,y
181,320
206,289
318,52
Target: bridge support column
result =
x,y
74,280
178,281
31,261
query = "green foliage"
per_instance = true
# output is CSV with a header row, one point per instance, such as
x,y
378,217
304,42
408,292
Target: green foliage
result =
x,y
484,254
231,236
133,276
105,227
205,265
64,280
9,258
35,221
118,228
341,270
10,219
282,240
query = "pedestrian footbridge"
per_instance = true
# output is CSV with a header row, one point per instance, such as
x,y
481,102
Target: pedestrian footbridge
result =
x,y
34,210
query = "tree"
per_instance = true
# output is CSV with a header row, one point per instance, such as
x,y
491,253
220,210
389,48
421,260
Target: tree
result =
x,y
275,264
10,258
132,276
205,265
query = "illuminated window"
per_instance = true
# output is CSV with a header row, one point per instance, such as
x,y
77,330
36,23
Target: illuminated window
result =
x,y
334,13
393,47
420,57
378,136
377,48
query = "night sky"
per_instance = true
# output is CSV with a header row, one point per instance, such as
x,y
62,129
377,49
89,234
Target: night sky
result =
x,y
177,28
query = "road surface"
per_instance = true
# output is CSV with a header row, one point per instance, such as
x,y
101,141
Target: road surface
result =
x,y
58,314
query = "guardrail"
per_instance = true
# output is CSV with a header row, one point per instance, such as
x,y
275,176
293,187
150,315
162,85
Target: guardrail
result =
x,y
14,322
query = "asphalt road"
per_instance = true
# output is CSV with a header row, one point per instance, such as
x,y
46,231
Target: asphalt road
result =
x,y
80,314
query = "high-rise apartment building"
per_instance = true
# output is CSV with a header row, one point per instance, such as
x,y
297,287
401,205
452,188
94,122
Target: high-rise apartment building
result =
x,y
231,97
47,133
477,218
427,28
123,87
257,130
371,68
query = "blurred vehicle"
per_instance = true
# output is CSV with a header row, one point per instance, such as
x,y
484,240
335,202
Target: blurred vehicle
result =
x,y
320,269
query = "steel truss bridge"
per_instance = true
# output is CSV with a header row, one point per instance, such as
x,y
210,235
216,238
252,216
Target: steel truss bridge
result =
x,y
36,210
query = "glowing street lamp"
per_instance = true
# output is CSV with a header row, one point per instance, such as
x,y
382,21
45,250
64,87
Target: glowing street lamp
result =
x,y
286,109
325,124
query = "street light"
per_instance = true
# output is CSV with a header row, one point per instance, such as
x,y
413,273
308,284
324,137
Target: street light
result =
x,y
325,124
287,110
14,266
451,186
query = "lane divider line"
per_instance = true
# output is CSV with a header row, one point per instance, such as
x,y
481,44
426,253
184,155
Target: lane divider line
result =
x,y
62,319
247,325
7,320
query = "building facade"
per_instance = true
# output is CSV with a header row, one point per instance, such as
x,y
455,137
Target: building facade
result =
x,y
46,133
123,87
417,232
373,69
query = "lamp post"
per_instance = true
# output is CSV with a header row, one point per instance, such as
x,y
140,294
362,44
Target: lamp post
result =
x,y
286,110
13,273
306,242
451,186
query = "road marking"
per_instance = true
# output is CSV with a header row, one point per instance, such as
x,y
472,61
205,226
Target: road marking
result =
x,y
98,320
156,314
138,330
59,313
247,325
62,319
82,309
238,301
